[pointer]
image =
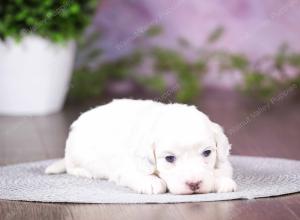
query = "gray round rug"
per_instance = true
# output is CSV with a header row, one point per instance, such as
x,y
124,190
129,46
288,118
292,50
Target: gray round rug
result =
x,y
256,177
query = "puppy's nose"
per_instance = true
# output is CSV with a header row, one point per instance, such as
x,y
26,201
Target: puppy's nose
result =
x,y
193,185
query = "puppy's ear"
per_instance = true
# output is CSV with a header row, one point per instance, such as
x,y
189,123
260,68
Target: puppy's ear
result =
x,y
146,161
223,146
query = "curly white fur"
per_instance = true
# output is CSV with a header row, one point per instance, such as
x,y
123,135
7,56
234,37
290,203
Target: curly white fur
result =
x,y
129,142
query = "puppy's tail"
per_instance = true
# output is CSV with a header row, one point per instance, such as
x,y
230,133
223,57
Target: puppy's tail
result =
x,y
57,167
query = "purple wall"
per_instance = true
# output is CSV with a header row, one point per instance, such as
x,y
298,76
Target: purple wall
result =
x,y
255,27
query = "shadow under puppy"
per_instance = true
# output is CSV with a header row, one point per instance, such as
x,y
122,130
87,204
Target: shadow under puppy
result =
x,y
149,147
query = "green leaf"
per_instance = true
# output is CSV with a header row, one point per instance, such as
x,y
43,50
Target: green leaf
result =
x,y
58,21
259,85
155,82
294,59
75,8
239,61
200,66
215,35
154,31
183,42
94,54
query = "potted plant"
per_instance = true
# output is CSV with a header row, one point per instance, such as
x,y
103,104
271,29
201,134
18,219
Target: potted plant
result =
x,y
37,49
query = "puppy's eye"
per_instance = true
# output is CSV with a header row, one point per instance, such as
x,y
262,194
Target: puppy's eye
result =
x,y
206,153
170,158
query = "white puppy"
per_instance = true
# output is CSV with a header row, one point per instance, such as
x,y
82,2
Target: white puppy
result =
x,y
149,147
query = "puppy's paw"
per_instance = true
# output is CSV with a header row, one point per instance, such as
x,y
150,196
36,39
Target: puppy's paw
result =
x,y
225,184
151,185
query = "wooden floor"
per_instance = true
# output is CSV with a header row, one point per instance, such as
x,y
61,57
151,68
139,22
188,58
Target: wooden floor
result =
x,y
253,129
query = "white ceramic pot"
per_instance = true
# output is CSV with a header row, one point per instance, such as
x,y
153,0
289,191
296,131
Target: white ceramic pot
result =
x,y
34,75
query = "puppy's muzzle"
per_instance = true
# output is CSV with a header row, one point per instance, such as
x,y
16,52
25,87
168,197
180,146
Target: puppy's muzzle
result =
x,y
194,186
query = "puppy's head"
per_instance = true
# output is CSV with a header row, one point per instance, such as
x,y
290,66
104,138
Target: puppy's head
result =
x,y
187,151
